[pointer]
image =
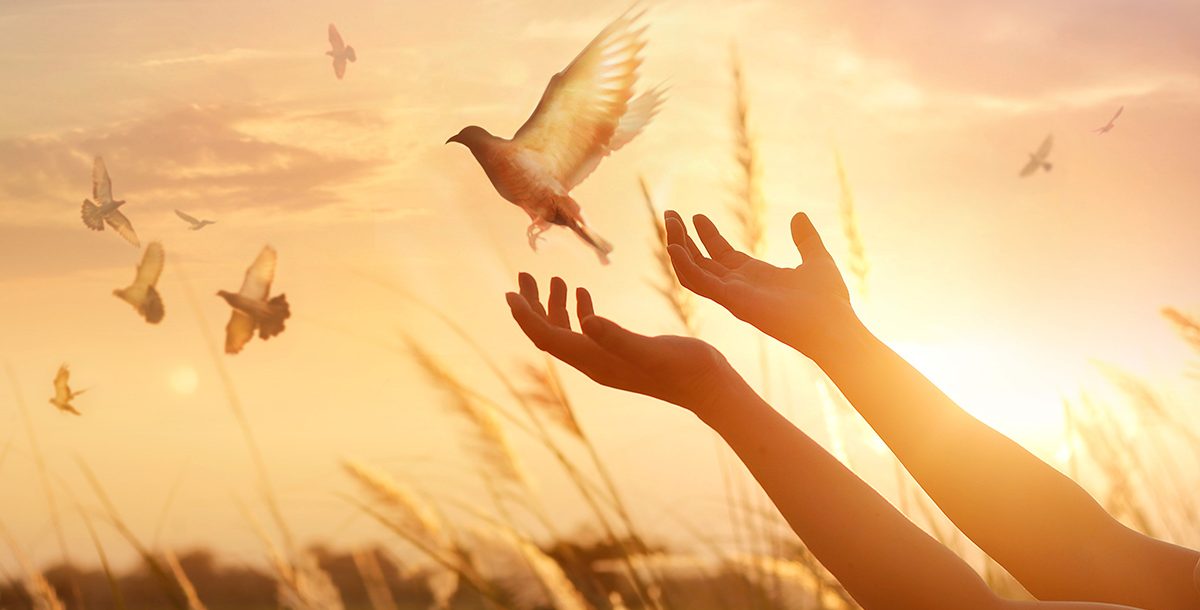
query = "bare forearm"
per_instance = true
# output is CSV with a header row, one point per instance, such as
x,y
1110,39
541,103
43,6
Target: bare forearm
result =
x,y
882,559
1036,521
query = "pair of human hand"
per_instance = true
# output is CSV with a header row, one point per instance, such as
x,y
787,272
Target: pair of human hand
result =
x,y
804,306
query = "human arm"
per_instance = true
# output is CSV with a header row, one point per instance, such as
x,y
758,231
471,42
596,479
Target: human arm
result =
x,y
1038,523
883,560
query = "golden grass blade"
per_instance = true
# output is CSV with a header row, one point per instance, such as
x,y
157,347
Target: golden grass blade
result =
x,y
490,441
380,595
185,583
668,285
42,596
750,206
859,266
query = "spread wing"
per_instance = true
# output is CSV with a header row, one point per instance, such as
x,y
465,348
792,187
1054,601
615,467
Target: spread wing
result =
x,y
123,227
1119,111
1043,151
238,331
187,218
1030,167
339,67
259,276
101,184
574,123
62,391
335,39
151,266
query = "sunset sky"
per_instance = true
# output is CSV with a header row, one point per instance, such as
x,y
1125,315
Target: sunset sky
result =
x,y
1003,290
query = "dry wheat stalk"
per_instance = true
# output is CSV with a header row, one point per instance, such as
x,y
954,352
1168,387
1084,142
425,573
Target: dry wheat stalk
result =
x,y
859,266
185,583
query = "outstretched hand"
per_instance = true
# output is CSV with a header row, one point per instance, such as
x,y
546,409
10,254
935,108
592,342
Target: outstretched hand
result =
x,y
681,370
804,306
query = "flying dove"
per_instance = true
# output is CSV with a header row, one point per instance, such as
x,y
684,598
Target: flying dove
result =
x,y
252,308
104,210
587,112
62,391
341,52
1111,123
196,223
1038,159
141,293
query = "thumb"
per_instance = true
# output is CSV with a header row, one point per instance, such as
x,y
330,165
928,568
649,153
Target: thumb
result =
x,y
615,339
807,240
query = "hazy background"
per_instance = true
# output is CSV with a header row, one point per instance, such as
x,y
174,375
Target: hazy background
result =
x,y
1002,290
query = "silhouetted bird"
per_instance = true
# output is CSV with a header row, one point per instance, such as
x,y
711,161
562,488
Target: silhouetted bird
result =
x,y
196,223
1038,158
104,209
585,113
142,293
62,391
1111,122
341,52
252,307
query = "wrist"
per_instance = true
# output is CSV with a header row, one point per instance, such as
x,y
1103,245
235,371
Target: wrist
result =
x,y
727,399
833,337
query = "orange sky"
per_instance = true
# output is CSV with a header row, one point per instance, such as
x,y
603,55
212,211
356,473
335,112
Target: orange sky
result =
x,y
1001,289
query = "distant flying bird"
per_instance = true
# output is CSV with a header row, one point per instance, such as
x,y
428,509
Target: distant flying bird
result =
x,y
341,52
1111,123
196,223
252,309
142,293
62,391
586,113
1038,159
104,210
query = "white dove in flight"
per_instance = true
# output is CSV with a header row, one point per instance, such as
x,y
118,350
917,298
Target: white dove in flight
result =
x,y
104,209
341,52
62,391
587,112
252,307
1111,123
142,293
1038,158
196,223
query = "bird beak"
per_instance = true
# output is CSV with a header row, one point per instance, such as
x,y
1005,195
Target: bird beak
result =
x,y
453,138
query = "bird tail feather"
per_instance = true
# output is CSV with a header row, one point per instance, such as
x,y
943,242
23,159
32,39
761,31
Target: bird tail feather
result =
x,y
273,324
90,213
593,239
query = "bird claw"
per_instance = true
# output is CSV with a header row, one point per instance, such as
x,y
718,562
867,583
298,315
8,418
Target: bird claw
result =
x,y
534,233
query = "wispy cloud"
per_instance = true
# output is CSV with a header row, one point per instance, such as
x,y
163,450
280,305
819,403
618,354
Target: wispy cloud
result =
x,y
223,57
223,157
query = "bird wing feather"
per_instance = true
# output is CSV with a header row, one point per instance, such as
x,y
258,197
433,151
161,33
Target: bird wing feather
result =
x,y
238,331
188,218
101,184
581,109
1119,111
151,266
257,284
335,39
1030,168
123,227
1044,150
339,67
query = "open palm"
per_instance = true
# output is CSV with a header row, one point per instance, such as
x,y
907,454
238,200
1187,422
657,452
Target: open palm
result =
x,y
681,370
802,306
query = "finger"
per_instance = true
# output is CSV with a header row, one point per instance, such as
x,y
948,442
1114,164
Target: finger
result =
x,y
583,304
557,304
693,277
807,240
622,343
572,348
535,326
718,248
677,234
529,290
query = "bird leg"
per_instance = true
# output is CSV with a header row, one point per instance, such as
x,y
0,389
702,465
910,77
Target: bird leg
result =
x,y
535,230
